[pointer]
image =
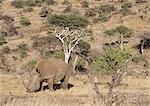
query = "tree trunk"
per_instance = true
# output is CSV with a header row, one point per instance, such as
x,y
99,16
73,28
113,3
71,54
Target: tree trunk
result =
x,y
67,57
75,62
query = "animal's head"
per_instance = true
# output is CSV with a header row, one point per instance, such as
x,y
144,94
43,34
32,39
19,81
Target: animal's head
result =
x,y
31,81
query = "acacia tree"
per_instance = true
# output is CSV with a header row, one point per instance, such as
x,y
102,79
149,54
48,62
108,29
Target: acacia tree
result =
x,y
69,39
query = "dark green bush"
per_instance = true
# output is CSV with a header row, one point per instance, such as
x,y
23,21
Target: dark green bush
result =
x,y
83,47
110,60
28,9
17,3
24,21
24,3
126,32
65,2
126,8
69,20
67,9
90,12
22,49
122,30
2,40
110,32
30,65
104,18
105,9
138,58
45,12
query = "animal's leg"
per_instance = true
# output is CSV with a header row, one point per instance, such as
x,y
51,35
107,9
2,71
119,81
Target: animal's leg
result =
x,y
65,82
50,84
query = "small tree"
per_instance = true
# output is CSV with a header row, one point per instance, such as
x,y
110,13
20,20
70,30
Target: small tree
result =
x,y
69,40
111,60
123,33
70,20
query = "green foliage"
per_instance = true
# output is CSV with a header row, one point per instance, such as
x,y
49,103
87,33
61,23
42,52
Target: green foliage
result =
x,y
45,12
104,18
67,9
65,2
126,32
24,3
111,60
106,9
28,9
90,12
2,40
30,65
138,58
110,32
122,30
69,20
126,8
83,47
59,55
24,21
23,48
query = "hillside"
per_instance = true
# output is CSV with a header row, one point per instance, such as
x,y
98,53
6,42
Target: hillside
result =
x,y
27,35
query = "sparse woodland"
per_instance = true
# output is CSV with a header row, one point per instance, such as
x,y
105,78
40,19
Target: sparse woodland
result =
x,y
107,42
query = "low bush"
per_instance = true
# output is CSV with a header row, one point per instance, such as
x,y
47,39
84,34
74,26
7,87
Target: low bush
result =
x,y
22,49
126,8
28,9
2,40
24,21
110,60
125,31
105,9
30,65
90,12
59,55
69,20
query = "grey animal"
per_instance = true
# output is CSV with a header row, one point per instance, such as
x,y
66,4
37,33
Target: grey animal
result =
x,y
50,71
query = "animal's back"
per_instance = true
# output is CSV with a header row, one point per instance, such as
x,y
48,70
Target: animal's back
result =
x,y
52,67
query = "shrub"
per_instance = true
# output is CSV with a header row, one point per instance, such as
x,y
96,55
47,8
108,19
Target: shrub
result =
x,y
90,12
140,1
50,2
104,18
22,49
65,2
59,55
83,47
30,65
6,50
24,3
111,60
11,30
138,58
24,21
85,4
28,9
70,20
2,40
45,12
67,9
17,3
110,32
125,31
7,19
105,9
126,8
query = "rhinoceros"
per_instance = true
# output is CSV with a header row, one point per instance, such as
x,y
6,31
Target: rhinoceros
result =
x,y
50,71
